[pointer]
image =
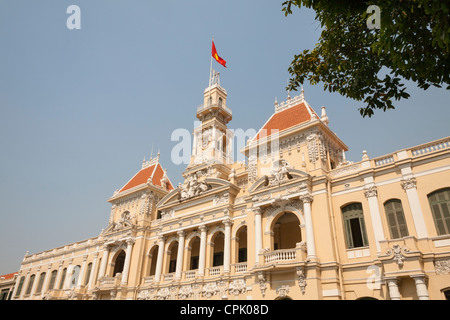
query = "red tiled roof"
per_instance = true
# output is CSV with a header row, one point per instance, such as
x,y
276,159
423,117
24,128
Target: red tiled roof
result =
x,y
285,119
144,174
8,276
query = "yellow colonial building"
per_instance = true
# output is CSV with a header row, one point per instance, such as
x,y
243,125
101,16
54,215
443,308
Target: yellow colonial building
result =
x,y
296,220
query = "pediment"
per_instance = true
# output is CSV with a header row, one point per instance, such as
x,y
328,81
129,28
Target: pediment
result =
x,y
279,177
118,226
193,188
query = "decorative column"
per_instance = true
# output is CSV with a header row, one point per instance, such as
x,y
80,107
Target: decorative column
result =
x,y
47,279
310,243
159,260
16,285
371,194
59,275
181,236
194,145
82,271
35,283
227,245
104,261
25,284
126,267
394,293
421,287
68,275
258,233
202,257
410,187
92,275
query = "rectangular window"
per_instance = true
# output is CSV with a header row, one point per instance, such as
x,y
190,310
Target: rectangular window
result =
x,y
354,225
395,218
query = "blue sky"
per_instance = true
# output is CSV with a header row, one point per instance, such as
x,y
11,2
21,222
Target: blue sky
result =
x,y
80,109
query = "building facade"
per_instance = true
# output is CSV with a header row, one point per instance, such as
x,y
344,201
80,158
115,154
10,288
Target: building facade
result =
x,y
294,221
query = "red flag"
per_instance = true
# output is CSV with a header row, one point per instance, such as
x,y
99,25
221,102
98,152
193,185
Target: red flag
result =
x,y
216,56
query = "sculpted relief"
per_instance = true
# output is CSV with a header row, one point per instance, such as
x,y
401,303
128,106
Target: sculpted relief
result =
x,y
192,187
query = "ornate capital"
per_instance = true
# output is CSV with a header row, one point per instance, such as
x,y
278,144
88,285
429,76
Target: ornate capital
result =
x,y
257,210
162,238
370,191
203,228
181,233
409,183
227,222
306,198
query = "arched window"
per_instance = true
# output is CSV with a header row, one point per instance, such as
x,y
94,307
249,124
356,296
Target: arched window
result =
x,y
173,256
74,276
88,274
19,288
220,102
440,206
63,278
355,227
219,240
395,218
52,280
195,251
154,257
242,244
30,284
40,283
120,262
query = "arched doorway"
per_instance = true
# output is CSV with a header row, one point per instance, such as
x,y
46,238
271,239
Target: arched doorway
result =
x,y
119,263
194,255
286,231
218,250
153,256
241,244
172,257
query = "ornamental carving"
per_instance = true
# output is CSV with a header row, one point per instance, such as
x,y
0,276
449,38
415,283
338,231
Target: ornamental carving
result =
x,y
252,169
442,266
280,174
316,147
282,291
237,287
398,253
146,203
409,183
123,222
210,289
163,294
185,292
262,283
192,187
370,191
301,273
221,199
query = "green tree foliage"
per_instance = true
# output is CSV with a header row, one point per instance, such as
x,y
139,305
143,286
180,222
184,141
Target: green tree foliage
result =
x,y
369,65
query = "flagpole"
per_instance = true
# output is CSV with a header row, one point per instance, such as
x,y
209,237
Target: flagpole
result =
x,y
210,68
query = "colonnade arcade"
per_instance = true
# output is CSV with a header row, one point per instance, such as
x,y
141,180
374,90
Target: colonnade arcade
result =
x,y
221,248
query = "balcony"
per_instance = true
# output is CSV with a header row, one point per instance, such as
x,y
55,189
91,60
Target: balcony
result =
x,y
283,257
240,267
